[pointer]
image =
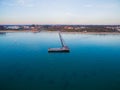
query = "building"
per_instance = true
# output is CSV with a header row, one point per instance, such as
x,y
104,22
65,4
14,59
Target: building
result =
x,y
77,28
26,27
13,27
69,27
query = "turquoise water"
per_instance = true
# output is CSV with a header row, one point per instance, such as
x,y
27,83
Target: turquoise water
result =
x,y
92,64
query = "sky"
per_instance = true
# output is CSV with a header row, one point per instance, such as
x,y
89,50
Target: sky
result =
x,y
60,12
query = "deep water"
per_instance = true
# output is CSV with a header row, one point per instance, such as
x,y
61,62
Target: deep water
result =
x,y
92,64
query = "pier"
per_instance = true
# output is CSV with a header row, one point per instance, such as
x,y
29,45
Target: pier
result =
x,y
64,48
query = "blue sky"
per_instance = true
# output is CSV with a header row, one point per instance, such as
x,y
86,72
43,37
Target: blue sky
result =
x,y
60,12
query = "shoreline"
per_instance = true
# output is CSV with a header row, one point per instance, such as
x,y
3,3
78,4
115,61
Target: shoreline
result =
x,y
13,31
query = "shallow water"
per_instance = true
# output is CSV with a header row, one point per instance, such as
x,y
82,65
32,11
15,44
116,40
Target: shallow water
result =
x,y
92,64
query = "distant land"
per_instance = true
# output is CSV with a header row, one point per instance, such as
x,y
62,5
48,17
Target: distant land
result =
x,y
62,28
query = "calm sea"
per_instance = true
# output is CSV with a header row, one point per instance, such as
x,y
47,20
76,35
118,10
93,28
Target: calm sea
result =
x,y
92,64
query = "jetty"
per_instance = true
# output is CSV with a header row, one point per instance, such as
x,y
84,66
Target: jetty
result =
x,y
64,48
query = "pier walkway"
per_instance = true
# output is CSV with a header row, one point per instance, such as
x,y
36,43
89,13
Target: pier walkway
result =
x,y
64,48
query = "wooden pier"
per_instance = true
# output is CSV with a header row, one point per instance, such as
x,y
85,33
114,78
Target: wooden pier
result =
x,y
64,48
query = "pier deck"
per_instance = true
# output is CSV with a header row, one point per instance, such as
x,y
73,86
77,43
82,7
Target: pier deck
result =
x,y
64,48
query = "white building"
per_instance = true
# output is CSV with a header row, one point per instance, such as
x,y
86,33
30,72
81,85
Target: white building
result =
x,y
13,27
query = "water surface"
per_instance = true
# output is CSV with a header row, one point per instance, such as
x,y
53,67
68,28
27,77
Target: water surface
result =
x,y
92,64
